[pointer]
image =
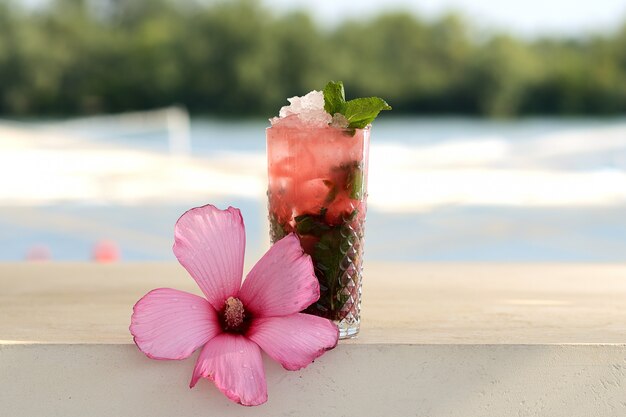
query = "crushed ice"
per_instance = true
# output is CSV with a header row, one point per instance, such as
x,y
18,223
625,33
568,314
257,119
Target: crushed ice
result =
x,y
339,121
308,110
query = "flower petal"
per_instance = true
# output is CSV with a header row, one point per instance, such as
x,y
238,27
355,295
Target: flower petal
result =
x,y
296,340
282,282
210,244
171,324
234,363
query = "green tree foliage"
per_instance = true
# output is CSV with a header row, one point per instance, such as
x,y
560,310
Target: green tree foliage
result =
x,y
238,58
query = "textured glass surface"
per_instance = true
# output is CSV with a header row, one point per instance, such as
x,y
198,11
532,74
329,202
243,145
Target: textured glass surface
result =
x,y
318,189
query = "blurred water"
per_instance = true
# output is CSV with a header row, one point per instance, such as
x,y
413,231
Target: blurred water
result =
x,y
210,136
440,190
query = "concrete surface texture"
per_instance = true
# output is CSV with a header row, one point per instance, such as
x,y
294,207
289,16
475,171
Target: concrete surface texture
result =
x,y
437,340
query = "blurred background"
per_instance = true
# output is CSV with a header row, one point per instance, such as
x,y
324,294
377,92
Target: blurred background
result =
x,y
507,141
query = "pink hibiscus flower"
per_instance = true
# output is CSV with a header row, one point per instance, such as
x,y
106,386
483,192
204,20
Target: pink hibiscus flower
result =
x,y
234,322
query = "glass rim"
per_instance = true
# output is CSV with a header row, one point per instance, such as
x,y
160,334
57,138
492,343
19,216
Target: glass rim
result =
x,y
343,129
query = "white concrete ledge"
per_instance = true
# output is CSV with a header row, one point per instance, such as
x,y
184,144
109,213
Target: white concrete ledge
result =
x,y
437,340
361,380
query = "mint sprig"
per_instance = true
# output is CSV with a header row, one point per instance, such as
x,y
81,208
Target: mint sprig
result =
x,y
359,112
334,98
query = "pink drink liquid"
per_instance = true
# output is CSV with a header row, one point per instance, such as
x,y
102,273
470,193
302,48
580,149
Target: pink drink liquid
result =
x,y
318,189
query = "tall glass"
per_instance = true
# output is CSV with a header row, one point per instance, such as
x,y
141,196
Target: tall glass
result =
x,y
318,189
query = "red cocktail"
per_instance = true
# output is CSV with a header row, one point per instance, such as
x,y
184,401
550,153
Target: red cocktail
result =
x,y
317,151
318,189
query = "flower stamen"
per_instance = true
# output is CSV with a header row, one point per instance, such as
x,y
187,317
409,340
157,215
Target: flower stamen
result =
x,y
234,315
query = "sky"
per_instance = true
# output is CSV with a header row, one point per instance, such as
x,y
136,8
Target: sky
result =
x,y
524,17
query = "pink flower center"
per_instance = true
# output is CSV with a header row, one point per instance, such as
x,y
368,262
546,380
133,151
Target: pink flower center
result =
x,y
234,318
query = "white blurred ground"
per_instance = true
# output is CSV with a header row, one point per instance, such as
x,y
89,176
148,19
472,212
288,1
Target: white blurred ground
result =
x,y
41,167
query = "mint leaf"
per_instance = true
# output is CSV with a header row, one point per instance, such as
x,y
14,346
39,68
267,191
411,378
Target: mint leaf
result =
x,y
328,257
308,224
360,112
354,183
332,246
330,197
334,97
